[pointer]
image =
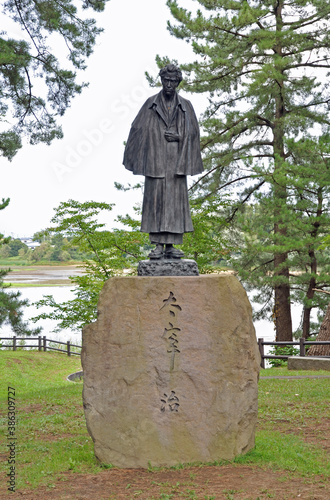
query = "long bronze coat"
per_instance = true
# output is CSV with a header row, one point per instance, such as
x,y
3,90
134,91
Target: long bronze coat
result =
x,y
164,164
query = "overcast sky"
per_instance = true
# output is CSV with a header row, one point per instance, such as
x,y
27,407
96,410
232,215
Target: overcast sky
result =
x,y
85,164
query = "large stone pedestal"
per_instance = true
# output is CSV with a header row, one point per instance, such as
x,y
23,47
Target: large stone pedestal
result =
x,y
170,371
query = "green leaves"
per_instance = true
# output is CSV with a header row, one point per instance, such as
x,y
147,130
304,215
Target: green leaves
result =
x,y
32,108
208,245
263,65
109,253
11,305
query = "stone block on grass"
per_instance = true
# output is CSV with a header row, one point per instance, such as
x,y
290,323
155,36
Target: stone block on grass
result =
x,y
171,371
308,363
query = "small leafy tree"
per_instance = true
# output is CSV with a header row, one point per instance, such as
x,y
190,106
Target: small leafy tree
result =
x,y
209,244
109,253
112,253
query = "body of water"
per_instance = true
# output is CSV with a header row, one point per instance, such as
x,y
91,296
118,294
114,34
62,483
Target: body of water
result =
x,y
264,329
60,294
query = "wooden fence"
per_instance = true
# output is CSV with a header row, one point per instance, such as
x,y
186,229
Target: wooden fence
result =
x,y
43,344
302,343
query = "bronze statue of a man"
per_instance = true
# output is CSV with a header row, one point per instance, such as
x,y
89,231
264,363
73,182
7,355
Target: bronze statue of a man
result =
x,y
164,146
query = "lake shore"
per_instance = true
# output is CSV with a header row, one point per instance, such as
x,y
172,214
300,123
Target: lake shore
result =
x,y
42,275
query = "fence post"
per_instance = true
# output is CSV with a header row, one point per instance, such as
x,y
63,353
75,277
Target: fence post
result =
x,y
44,343
14,343
302,346
262,352
39,342
68,347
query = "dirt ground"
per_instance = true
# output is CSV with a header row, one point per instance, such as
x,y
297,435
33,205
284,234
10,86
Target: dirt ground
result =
x,y
226,482
208,483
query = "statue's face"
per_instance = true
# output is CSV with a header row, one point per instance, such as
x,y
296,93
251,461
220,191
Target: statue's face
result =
x,y
169,83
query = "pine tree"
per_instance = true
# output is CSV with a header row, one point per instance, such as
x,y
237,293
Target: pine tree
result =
x,y
11,304
308,183
263,64
307,219
34,88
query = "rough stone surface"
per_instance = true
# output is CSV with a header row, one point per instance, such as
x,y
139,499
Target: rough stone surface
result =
x,y
308,363
170,371
168,267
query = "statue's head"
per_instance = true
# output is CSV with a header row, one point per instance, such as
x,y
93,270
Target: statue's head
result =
x,y
170,76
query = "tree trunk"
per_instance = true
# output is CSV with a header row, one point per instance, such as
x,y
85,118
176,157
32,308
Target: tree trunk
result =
x,y
282,311
309,296
313,266
324,334
283,321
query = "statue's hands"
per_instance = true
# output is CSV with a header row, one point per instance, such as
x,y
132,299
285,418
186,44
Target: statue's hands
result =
x,y
171,136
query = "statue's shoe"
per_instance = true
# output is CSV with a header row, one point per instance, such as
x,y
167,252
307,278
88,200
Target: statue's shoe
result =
x,y
173,253
156,253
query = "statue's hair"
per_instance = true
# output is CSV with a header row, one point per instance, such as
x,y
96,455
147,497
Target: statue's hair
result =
x,y
171,68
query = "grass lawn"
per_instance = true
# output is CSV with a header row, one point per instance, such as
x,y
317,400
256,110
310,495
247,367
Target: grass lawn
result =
x,y
52,437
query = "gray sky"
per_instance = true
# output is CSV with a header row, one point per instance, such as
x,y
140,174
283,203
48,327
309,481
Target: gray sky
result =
x,y
85,164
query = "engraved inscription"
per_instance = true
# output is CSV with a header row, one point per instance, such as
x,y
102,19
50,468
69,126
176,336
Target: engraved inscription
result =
x,y
170,303
170,402
171,333
172,330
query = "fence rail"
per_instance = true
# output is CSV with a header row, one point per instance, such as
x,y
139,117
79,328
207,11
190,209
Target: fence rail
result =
x,y
302,343
41,344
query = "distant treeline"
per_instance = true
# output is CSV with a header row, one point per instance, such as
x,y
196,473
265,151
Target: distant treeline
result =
x,y
55,248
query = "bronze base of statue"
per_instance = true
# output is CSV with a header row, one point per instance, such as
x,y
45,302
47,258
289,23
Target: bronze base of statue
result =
x,y
168,267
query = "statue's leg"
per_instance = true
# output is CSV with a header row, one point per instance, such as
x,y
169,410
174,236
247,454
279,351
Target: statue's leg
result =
x,y
173,253
167,240
158,252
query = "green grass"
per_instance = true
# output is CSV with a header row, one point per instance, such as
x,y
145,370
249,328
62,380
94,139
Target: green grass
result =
x,y
36,285
290,419
51,431
19,262
14,261
52,434
286,452
283,371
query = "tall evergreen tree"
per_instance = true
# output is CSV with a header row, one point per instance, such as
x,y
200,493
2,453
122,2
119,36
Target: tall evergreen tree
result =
x,y
308,222
309,201
263,64
34,87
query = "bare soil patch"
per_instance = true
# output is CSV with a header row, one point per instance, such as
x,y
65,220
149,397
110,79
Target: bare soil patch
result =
x,y
317,435
208,483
